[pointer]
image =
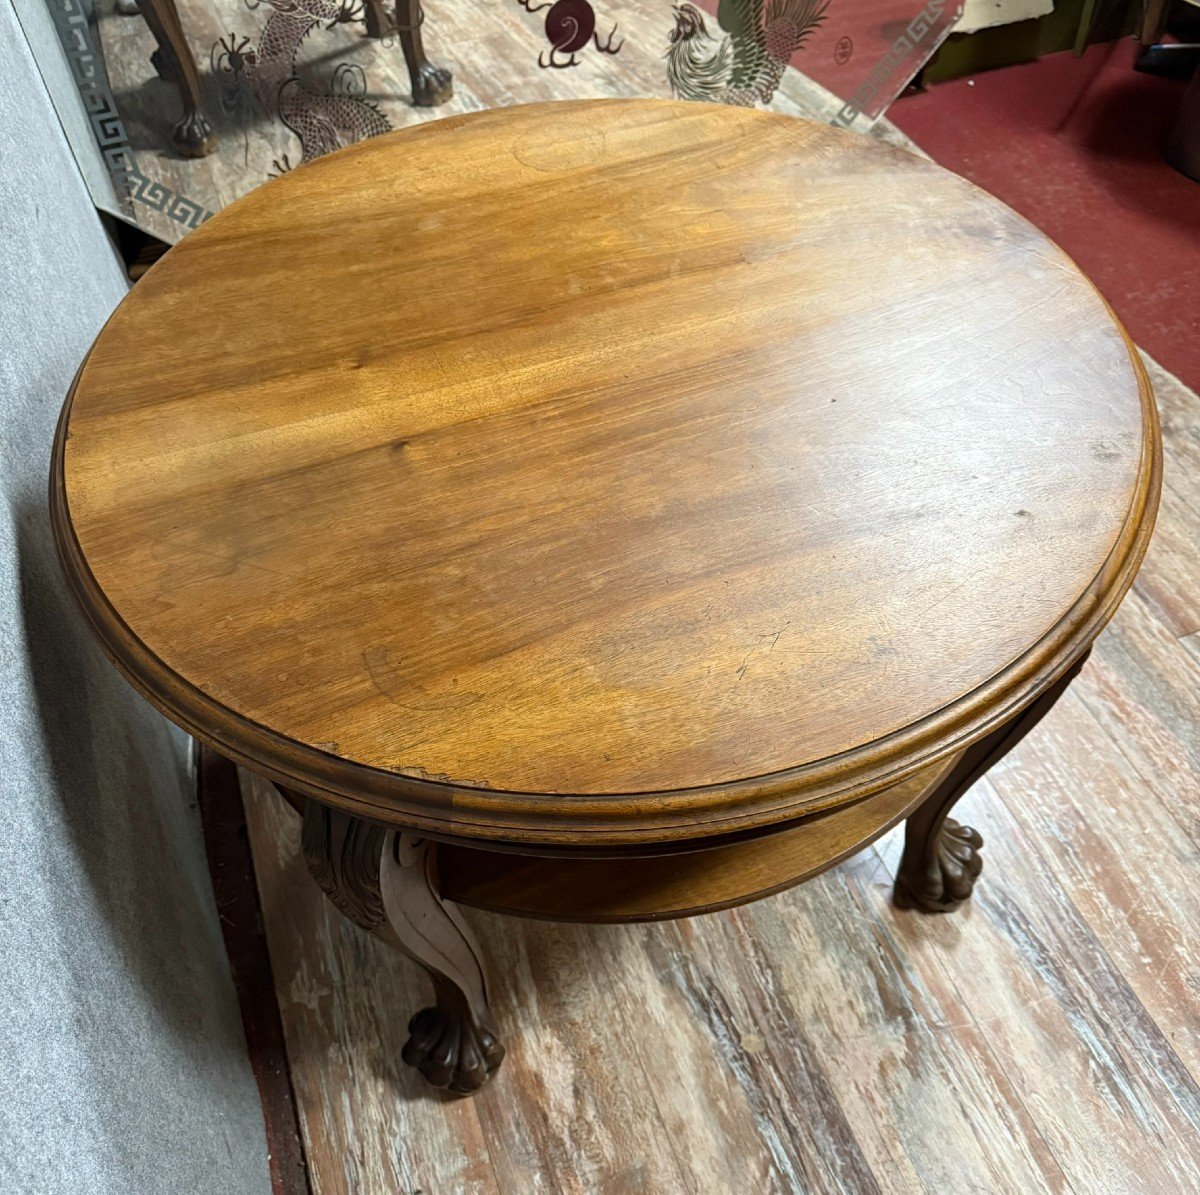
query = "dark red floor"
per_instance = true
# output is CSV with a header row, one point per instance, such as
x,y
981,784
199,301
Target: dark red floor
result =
x,y
1073,145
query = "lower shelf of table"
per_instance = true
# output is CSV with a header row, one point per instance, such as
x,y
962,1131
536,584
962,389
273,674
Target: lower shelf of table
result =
x,y
680,885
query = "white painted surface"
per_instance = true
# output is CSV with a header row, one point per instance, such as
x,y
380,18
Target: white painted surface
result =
x,y
986,14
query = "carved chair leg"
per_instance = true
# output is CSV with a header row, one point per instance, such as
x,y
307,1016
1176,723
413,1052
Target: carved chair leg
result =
x,y
379,24
941,859
431,85
386,881
193,136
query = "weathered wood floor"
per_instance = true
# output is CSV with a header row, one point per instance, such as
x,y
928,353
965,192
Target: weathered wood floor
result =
x,y
1043,1039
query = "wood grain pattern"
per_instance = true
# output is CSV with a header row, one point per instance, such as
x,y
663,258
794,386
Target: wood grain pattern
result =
x,y
747,474
1065,1024
998,1050
1192,644
911,1075
1043,1039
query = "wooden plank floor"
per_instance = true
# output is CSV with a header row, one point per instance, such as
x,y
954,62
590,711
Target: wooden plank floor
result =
x,y
1042,1039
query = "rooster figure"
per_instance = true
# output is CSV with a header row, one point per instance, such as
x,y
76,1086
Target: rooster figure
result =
x,y
745,67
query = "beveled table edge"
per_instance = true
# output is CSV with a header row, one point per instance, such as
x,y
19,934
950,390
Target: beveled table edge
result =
x,y
459,811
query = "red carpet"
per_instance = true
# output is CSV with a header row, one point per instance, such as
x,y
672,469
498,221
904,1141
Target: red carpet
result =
x,y
1073,145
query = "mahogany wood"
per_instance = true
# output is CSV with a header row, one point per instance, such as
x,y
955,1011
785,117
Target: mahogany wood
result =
x,y
941,859
384,881
678,885
780,471
192,135
431,85
798,465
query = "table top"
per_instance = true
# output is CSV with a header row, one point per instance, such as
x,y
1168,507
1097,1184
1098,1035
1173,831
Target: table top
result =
x,y
601,473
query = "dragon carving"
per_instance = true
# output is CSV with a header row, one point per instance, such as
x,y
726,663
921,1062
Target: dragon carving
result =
x,y
746,66
323,121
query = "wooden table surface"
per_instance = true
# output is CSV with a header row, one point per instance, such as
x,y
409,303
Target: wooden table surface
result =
x,y
605,473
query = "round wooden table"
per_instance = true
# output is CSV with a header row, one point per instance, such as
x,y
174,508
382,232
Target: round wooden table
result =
x,y
606,511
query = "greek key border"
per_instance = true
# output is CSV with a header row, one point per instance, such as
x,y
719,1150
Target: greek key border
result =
x,y
919,28
109,130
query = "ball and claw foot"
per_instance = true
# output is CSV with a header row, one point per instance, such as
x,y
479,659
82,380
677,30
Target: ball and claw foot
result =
x,y
948,876
452,1052
432,85
193,136
385,881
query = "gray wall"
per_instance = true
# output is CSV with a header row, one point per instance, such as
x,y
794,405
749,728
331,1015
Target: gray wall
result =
x,y
122,1062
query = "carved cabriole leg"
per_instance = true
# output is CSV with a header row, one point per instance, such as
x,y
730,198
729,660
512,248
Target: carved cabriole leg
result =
x,y
431,85
386,881
941,859
192,136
